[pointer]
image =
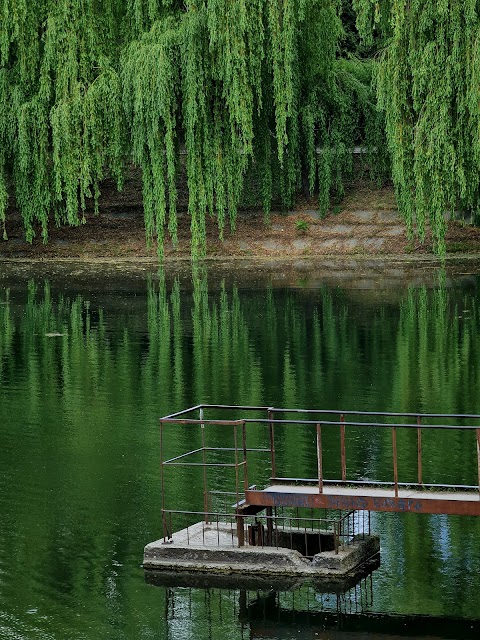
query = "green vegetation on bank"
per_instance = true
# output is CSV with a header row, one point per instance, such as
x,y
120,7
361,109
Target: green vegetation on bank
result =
x,y
428,87
256,91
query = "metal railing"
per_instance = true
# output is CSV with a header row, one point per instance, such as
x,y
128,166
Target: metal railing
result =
x,y
236,456
340,420
307,534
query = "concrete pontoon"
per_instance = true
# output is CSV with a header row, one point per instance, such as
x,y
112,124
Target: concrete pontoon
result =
x,y
212,548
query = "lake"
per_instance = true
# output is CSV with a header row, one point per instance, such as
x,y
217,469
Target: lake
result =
x,y
89,361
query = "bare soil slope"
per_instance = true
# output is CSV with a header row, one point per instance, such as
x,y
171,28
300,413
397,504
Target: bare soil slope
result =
x,y
366,223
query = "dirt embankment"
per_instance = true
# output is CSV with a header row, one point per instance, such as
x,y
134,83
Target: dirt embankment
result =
x,y
366,223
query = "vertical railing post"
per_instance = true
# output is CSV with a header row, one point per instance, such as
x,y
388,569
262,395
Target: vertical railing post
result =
x,y
272,443
419,450
238,514
162,480
204,460
395,462
269,511
478,458
244,445
342,447
236,462
319,458
240,527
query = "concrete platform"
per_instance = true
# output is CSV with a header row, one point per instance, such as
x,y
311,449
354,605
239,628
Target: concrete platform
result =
x,y
212,550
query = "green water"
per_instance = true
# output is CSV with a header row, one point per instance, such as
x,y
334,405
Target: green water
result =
x,y
86,370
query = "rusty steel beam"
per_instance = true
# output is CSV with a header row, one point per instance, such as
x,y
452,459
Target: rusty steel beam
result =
x,y
357,500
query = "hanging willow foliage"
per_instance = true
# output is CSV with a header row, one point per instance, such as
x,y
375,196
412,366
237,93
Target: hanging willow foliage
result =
x,y
428,86
245,87
61,119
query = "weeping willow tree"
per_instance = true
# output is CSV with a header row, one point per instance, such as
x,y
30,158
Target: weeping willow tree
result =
x,y
60,107
250,89
428,87
246,87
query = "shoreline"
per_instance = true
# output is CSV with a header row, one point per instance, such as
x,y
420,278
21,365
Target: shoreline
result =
x,y
385,277
365,228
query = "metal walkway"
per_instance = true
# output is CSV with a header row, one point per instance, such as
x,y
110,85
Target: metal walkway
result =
x,y
367,498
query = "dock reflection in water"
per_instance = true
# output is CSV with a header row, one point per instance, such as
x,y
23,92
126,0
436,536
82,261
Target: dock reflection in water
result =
x,y
307,612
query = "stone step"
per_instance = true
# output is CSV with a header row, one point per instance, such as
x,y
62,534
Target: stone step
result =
x,y
358,216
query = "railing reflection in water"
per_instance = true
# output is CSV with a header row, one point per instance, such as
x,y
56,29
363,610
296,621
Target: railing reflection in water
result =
x,y
336,612
263,613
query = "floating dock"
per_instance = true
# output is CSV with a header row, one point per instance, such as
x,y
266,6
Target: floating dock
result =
x,y
301,528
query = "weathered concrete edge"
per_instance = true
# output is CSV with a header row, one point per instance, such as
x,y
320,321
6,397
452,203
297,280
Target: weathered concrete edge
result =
x,y
254,561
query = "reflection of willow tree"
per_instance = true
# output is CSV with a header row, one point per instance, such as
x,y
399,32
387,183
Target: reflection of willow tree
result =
x,y
279,347
437,358
437,344
202,344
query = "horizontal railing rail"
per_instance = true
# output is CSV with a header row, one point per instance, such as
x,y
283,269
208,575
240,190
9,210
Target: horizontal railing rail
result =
x,y
339,412
386,425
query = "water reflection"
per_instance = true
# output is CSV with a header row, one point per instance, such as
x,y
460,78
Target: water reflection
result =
x,y
84,376
297,348
305,612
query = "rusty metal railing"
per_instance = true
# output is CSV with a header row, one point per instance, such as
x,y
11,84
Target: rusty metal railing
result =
x,y
341,421
419,426
274,418
309,535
